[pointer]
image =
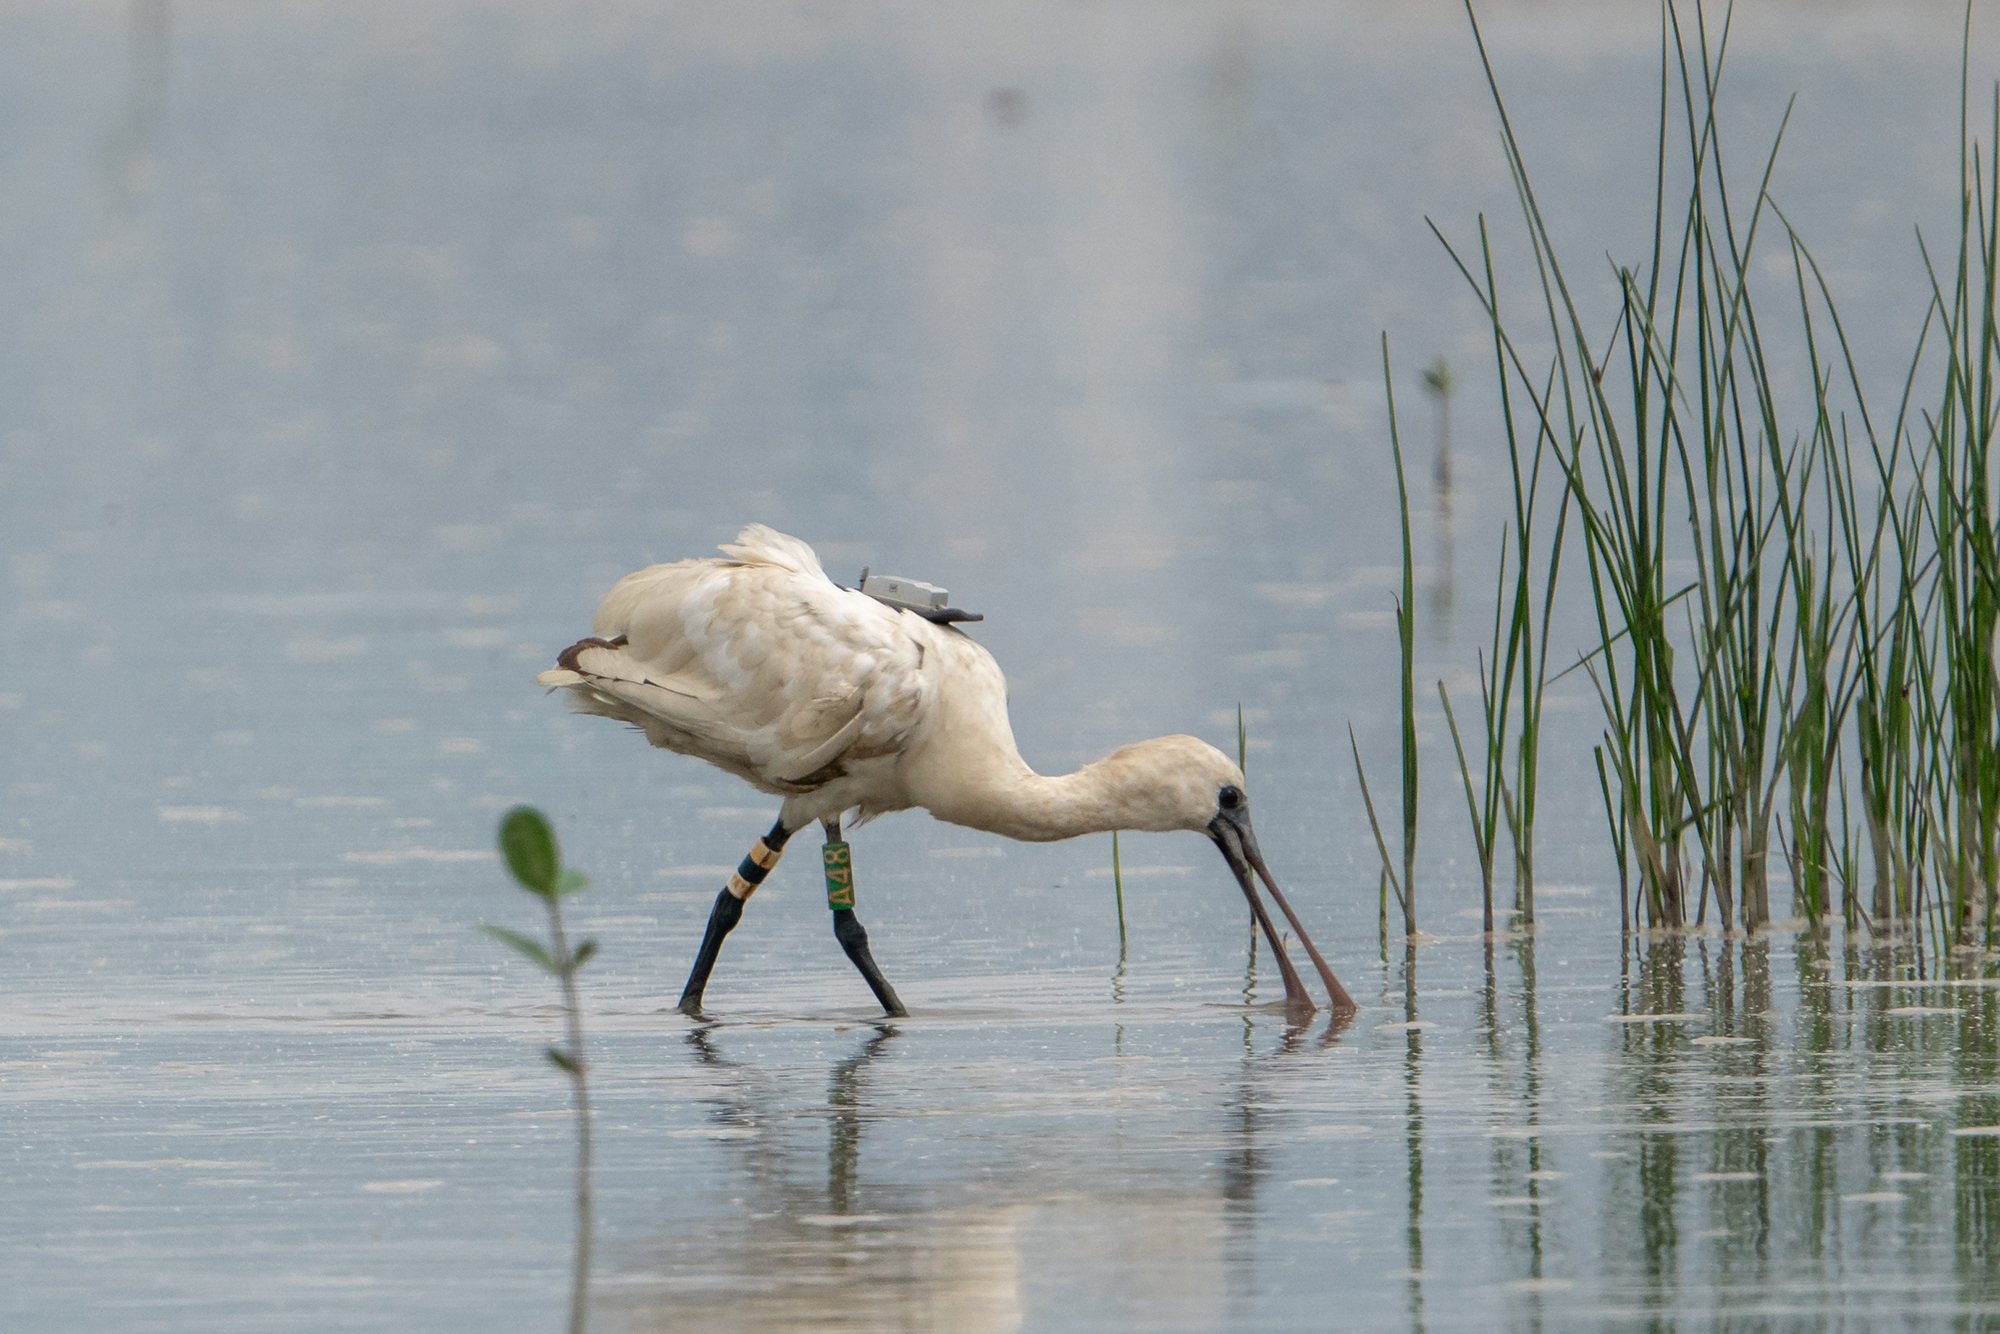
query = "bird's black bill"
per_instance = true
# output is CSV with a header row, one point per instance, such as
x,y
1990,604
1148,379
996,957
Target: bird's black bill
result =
x,y
1232,833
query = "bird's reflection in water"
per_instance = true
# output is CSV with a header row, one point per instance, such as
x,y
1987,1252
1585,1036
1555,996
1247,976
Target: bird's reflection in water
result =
x,y
958,1196
844,1101
857,1252
846,1111
1298,1037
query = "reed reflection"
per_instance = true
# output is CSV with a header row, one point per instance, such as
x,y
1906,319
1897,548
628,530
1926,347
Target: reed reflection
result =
x,y
1243,1171
1764,1148
1641,1209
132,148
1413,1139
1520,1162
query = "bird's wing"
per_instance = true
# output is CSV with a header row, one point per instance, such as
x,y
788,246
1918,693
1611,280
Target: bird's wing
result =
x,y
760,663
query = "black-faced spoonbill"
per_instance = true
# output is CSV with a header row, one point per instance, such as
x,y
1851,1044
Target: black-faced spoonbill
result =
x,y
837,701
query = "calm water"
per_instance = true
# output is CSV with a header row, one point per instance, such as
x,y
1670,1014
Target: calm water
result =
x,y
350,352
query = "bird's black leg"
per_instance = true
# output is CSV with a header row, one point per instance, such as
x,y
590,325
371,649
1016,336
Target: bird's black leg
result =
x,y
728,911
853,937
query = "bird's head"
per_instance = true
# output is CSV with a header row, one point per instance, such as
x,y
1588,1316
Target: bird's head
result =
x,y
1180,782
1170,782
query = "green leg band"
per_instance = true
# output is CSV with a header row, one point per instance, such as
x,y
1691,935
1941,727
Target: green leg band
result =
x,y
839,875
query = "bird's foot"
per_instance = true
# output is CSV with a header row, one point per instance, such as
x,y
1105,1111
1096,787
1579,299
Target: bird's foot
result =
x,y
853,938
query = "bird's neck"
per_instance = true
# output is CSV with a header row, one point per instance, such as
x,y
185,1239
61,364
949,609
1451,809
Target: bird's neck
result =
x,y
1004,796
966,769
1034,808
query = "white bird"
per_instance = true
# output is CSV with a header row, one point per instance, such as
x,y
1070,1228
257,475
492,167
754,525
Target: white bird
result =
x,y
837,702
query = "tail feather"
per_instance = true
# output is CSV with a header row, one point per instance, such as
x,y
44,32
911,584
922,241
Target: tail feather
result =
x,y
761,545
567,658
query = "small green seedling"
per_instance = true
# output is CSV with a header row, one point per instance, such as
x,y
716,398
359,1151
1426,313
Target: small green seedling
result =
x,y
529,846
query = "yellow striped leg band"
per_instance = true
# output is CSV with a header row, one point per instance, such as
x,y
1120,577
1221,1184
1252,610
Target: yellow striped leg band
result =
x,y
754,868
839,875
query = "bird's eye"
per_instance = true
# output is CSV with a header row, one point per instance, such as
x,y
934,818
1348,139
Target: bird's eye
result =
x,y
1231,797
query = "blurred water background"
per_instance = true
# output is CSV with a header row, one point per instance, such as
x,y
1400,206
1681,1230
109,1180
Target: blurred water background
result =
x,y
348,353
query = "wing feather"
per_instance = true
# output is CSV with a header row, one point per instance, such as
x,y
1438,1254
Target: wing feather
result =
x,y
759,664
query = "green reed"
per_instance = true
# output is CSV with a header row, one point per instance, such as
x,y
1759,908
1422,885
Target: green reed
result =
x,y
1406,635
1518,654
1965,587
1118,891
1833,652
1403,885
1243,767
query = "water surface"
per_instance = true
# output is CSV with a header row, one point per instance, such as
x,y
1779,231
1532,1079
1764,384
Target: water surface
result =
x,y
352,351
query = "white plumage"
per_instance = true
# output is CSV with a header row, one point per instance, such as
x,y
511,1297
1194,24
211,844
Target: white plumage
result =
x,y
758,664
763,666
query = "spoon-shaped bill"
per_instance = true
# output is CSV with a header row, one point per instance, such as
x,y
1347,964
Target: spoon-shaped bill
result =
x,y
1232,833
1336,994
1299,1006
